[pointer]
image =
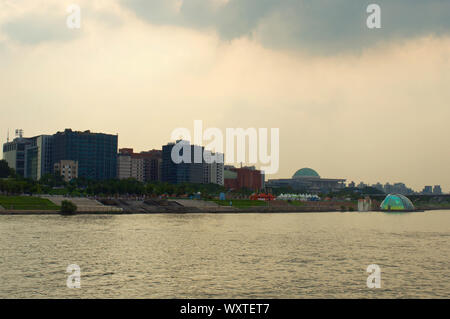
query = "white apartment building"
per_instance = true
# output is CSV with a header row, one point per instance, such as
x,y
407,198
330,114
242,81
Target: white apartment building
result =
x,y
213,172
129,166
67,169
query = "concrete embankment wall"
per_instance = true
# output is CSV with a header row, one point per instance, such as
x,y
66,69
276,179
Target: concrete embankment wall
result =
x,y
84,205
198,206
156,206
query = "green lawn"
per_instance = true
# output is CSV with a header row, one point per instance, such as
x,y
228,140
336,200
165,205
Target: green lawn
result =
x,y
241,203
297,203
26,203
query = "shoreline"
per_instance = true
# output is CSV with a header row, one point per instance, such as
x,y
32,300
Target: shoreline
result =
x,y
206,211
50,205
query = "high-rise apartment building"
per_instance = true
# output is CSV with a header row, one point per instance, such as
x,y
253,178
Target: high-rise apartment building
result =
x,y
15,154
144,166
213,169
152,165
437,190
427,190
96,153
39,157
30,157
189,171
129,165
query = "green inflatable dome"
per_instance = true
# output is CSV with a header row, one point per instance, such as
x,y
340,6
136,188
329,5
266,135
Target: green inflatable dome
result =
x,y
397,202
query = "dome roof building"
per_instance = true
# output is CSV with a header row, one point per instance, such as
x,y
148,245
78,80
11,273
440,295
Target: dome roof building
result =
x,y
308,180
397,202
305,172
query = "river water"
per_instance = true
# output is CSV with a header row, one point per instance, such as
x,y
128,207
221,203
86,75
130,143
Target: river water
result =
x,y
313,255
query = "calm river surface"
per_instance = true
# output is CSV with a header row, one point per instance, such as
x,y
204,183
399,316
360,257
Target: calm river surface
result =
x,y
317,255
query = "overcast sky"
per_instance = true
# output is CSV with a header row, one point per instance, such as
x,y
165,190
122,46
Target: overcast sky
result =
x,y
365,105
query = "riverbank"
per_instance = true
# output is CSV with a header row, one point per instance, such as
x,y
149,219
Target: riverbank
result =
x,y
251,210
49,205
181,210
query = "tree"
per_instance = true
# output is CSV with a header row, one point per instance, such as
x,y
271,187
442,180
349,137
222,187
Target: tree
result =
x,y
5,170
149,188
52,180
372,191
68,207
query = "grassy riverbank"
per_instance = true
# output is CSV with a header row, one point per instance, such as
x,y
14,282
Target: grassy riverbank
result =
x,y
241,203
27,203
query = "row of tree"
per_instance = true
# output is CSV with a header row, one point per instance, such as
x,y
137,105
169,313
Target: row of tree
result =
x,y
55,184
5,170
10,183
81,187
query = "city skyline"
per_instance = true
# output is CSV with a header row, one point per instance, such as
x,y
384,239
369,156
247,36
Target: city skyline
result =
x,y
367,105
231,158
149,153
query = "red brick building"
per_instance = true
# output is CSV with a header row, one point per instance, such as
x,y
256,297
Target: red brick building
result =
x,y
244,177
152,164
144,166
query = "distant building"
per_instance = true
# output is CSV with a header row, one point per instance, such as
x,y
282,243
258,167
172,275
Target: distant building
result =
x,y
213,169
401,188
191,171
427,190
362,185
308,180
230,177
44,150
152,165
397,188
67,169
123,165
96,153
144,166
437,190
15,154
263,180
129,165
364,205
30,157
244,177
378,186
388,189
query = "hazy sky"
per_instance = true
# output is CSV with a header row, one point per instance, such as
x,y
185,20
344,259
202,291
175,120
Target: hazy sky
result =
x,y
365,105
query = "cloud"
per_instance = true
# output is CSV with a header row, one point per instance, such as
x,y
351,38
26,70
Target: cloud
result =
x,y
32,22
36,29
323,26
319,26
337,113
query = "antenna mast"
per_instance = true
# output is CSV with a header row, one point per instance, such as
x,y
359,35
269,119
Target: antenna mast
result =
x,y
19,133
